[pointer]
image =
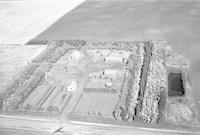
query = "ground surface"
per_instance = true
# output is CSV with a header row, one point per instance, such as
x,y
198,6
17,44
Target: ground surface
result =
x,y
13,58
175,21
104,83
22,20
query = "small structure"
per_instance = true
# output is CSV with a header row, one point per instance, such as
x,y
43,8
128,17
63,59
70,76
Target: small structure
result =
x,y
121,53
98,53
110,72
108,84
75,55
117,56
96,75
114,59
72,86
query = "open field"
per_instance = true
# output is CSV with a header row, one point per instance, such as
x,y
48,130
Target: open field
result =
x,y
23,20
15,57
96,104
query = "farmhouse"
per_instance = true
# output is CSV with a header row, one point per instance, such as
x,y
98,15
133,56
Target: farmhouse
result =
x,y
72,86
75,55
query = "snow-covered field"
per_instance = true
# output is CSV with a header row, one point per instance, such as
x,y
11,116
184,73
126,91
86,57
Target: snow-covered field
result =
x,y
13,58
22,20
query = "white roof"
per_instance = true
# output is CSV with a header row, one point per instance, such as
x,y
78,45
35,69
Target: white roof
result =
x,y
113,58
72,86
110,71
122,54
76,54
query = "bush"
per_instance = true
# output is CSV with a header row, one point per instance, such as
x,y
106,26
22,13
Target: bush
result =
x,y
52,108
46,54
17,81
76,43
36,42
122,45
60,51
11,101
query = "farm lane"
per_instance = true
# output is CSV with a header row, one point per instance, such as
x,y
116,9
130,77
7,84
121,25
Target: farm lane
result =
x,y
82,127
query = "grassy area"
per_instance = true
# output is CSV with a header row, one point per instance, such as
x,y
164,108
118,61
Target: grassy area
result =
x,y
96,104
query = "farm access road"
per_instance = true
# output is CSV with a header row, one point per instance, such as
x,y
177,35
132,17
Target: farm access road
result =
x,y
48,126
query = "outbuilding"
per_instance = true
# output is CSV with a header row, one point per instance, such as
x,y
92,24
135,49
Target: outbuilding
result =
x,y
72,86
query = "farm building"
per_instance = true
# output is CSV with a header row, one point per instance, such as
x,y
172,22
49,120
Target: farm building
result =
x,y
121,53
114,59
98,53
72,86
110,72
108,84
75,55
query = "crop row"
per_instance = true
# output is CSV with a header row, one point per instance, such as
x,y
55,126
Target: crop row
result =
x,y
36,96
49,99
59,102
100,90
